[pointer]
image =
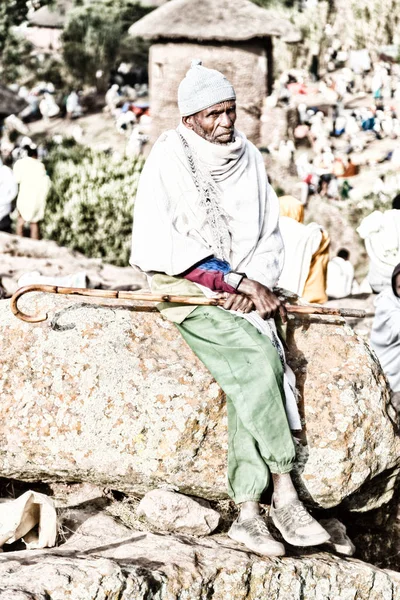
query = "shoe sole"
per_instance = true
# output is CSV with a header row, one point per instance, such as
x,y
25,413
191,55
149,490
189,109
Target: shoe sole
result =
x,y
280,552
315,540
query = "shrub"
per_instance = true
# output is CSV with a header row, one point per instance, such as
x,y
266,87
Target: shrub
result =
x,y
90,205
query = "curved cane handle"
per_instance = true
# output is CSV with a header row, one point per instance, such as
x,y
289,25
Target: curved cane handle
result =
x,y
24,290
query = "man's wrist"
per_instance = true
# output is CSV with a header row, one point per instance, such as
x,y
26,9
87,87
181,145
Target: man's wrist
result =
x,y
234,279
247,286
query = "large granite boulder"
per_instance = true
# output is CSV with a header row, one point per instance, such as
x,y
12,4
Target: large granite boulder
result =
x,y
116,397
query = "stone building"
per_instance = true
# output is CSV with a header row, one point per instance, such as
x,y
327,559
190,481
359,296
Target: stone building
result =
x,y
233,36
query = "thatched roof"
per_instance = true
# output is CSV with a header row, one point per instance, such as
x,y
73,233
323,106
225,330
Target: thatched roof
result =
x,y
218,20
51,16
10,103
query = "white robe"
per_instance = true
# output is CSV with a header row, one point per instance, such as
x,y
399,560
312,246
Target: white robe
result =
x,y
381,234
171,233
385,336
170,230
34,186
300,242
340,277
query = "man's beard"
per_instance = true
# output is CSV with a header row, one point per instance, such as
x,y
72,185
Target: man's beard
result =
x,y
208,137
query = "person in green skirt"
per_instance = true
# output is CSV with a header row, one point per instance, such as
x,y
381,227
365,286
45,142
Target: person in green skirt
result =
x,y
206,223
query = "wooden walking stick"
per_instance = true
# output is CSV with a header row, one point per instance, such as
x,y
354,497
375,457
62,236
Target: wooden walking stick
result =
x,y
194,300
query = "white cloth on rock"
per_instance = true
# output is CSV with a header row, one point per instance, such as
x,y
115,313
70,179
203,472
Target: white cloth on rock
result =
x,y
75,280
19,517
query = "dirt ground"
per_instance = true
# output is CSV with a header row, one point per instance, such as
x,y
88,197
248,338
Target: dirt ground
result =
x,y
96,130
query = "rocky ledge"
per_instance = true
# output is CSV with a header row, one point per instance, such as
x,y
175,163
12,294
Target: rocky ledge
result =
x,y
105,560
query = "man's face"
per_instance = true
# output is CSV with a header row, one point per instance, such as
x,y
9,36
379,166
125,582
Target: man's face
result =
x,y
214,124
397,285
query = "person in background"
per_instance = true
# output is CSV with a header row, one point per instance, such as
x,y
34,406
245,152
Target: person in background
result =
x,y
34,186
385,335
351,169
340,276
306,253
8,191
73,106
381,234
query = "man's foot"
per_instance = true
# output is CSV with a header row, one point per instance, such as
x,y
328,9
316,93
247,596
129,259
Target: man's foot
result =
x,y
254,534
297,526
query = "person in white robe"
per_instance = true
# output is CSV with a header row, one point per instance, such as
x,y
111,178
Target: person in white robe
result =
x,y
206,223
34,186
340,277
306,253
381,234
385,334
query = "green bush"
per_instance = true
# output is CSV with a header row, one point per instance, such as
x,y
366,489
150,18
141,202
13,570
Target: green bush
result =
x,y
90,205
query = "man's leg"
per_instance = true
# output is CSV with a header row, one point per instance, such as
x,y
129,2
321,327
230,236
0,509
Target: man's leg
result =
x,y
248,369
20,226
241,366
35,231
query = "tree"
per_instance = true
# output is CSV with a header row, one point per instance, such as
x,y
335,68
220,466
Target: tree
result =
x,y
12,14
94,36
12,47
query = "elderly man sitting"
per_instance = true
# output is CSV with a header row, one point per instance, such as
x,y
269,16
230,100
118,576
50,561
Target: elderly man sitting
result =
x,y
206,223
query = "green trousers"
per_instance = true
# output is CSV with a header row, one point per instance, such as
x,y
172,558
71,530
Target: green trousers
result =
x,y
247,367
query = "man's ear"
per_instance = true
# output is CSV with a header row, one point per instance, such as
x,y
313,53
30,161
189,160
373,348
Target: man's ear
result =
x,y
188,121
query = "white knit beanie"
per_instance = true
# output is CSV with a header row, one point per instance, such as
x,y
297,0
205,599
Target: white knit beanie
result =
x,y
202,88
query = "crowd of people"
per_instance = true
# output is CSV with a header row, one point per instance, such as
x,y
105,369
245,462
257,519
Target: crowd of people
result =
x,y
43,101
332,122
126,100
131,113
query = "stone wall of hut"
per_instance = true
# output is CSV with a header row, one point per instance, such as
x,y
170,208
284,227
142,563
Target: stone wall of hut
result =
x,y
244,65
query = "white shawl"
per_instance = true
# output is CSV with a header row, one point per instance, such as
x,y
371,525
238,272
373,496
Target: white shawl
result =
x,y
385,336
171,231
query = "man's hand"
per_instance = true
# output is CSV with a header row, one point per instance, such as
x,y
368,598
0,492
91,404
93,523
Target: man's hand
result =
x,y
238,302
266,303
